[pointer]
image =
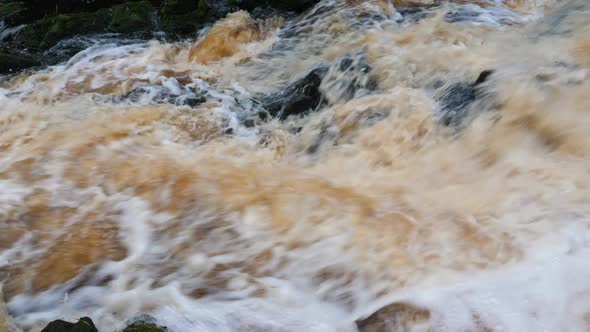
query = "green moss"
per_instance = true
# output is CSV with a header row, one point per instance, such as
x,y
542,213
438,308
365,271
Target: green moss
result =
x,y
9,9
144,327
202,8
125,18
180,7
132,17
182,24
49,31
183,16
85,324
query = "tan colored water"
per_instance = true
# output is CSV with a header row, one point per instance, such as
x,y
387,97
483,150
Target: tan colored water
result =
x,y
112,209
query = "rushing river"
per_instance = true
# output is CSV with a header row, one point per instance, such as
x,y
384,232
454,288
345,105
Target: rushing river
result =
x,y
146,178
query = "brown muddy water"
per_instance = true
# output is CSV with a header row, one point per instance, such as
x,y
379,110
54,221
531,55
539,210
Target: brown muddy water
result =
x,y
120,195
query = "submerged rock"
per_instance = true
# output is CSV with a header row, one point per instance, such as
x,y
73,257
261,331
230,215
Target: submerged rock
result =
x,y
394,317
456,100
347,78
564,19
85,324
325,85
299,97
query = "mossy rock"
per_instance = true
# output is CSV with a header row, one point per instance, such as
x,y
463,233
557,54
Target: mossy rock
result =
x,y
289,5
12,62
144,327
124,18
10,12
47,32
182,24
133,17
83,325
181,7
183,16
144,323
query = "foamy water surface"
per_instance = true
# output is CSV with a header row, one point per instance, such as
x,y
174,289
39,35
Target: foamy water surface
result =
x,y
140,178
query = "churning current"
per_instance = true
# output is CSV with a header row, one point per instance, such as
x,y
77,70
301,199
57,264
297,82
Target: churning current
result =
x,y
426,164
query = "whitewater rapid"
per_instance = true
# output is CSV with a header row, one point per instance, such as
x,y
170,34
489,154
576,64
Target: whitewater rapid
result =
x,y
148,178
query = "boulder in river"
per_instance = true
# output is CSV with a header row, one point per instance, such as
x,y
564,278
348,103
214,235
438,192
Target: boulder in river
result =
x,y
85,324
397,317
456,100
144,323
325,85
144,327
299,97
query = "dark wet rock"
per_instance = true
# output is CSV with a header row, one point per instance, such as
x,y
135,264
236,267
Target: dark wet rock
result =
x,y
456,100
394,317
49,31
338,82
183,24
177,7
184,96
249,123
413,14
301,96
347,78
124,18
33,10
12,13
66,49
327,136
144,327
330,134
13,61
85,324
144,323
183,16
193,101
133,17
37,26
289,5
